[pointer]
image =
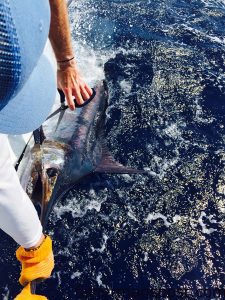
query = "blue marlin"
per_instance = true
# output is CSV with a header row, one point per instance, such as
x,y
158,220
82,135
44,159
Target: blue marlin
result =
x,y
72,149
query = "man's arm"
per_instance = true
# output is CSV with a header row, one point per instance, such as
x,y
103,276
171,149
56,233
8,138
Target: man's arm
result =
x,y
68,76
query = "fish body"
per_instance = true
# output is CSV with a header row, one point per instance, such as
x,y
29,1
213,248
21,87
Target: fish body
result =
x,y
72,149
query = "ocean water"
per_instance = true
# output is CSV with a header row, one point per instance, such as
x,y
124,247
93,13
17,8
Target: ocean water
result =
x,y
161,235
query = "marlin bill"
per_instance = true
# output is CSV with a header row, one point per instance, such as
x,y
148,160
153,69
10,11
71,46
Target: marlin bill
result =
x,y
73,147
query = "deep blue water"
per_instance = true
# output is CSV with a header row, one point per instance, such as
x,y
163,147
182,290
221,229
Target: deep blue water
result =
x,y
162,235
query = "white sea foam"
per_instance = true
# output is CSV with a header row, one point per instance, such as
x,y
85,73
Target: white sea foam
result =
x,y
209,3
131,214
103,247
99,280
76,209
76,274
177,240
125,86
90,64
173,131
127,177
203,34
204,228
163,165
79,208
58,276
199,114
176,218
221,207
155,216
146,256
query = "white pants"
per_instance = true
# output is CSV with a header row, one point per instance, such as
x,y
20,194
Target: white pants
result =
x,y
18,217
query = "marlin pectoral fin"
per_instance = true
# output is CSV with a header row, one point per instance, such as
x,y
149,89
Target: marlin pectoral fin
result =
x,y
110,166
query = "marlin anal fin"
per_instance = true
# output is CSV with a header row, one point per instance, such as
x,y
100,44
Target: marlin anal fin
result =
x,y
110,166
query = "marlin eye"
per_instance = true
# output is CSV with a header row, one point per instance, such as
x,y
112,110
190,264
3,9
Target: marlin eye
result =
x,y
52,172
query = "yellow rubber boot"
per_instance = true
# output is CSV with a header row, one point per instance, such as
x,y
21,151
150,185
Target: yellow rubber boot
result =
x,y
26,295
37,263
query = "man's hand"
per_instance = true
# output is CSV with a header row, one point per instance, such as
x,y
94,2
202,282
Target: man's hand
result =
x,y
71,83
68,75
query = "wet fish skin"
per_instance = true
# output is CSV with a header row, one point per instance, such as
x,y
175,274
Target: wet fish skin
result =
x,y
68,153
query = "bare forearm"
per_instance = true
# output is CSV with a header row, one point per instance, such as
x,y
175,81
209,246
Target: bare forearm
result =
x,y
59,33
69,79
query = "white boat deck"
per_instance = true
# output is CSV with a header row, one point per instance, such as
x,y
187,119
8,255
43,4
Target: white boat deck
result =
x,y
17,145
